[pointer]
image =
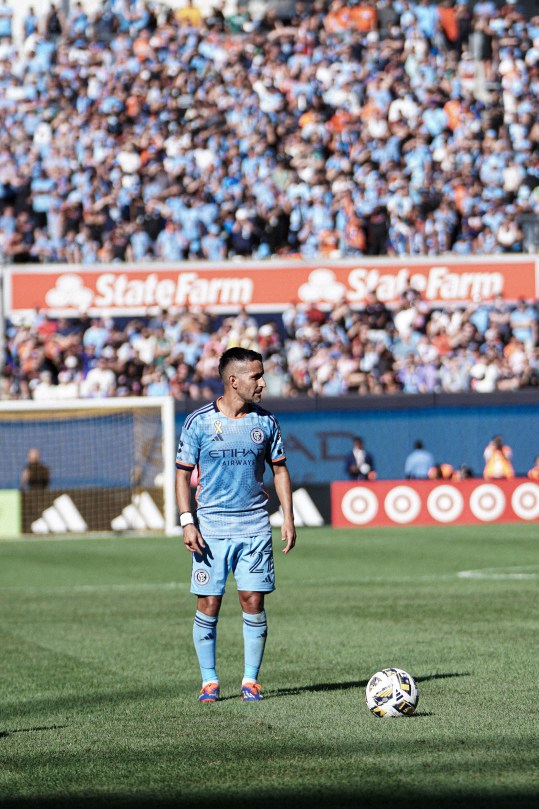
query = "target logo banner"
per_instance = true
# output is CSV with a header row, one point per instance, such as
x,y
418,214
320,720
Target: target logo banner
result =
x,y
431,502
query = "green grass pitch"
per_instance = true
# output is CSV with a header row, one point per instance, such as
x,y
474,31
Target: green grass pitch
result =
x,y
98,677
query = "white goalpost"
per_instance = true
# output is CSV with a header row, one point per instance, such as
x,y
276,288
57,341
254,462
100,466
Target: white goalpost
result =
x,y
110,464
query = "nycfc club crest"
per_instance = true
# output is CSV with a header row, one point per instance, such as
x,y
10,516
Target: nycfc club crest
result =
x,y
257,435
201,577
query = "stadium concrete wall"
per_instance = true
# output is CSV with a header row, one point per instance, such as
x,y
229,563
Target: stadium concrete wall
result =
x,y
318,433
455,428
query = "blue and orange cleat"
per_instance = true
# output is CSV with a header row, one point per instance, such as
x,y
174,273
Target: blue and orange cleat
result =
x,y
251,692
209,692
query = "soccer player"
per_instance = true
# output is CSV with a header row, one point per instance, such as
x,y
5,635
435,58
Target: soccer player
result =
x,y
230,441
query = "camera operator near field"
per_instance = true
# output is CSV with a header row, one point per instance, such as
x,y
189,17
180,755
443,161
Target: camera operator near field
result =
x,y
359,463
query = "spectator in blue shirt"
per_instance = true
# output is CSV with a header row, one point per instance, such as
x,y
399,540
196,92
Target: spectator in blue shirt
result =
x,y
523,321
418,462
30,22
6,20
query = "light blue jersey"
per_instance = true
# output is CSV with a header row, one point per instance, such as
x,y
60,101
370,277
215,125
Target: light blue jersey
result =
x,y
231,456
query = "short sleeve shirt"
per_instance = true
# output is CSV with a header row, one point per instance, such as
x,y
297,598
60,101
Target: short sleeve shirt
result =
x,y
231,455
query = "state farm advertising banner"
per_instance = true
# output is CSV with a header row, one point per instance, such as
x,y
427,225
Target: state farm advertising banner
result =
x,y
425,502
66,290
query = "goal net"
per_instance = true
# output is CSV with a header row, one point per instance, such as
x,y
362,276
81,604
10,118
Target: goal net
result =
x,y
109,464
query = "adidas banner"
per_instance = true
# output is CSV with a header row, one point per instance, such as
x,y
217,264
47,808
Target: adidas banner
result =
x,y
120,509
79,510
312,506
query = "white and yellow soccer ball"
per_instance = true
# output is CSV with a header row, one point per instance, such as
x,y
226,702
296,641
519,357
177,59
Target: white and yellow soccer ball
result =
x,y
392,692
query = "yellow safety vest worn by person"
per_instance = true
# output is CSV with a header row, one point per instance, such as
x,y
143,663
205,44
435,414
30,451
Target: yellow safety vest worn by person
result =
x,y
498,465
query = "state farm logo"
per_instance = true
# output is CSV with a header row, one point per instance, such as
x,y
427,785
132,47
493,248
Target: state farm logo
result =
x,y
322,286
434,283
123,290
131,289
69,291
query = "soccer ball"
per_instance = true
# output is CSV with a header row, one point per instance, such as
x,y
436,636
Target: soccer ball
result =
x,y
392,692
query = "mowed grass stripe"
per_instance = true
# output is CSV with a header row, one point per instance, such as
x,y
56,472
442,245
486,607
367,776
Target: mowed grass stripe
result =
x,y
103,588
486,575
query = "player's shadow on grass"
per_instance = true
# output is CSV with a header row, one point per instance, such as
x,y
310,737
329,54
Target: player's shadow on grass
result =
x,y
352,684
316,687
5,733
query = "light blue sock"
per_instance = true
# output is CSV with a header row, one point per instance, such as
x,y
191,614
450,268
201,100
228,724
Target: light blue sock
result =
x,y
255,632
204,638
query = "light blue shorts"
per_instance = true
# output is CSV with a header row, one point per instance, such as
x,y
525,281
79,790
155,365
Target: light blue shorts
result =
x,y
249,558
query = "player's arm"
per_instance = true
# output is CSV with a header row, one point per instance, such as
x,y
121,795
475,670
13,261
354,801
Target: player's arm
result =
x,y
283,489
192,538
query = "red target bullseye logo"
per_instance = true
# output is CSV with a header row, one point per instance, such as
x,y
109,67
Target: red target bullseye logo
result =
x,y
487,502
525,501
445,503
402,504
359,506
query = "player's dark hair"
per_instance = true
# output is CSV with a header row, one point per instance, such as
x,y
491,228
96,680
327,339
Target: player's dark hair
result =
x,y
237,354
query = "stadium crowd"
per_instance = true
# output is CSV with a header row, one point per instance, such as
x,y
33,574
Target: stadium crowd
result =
x,y
346,129
374,350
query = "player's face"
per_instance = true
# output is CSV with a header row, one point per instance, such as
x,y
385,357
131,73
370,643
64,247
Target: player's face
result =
x,y
249,381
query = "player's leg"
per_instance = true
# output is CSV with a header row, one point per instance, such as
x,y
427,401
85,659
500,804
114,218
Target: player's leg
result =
x,y
208,584
255,631
254,573
205,642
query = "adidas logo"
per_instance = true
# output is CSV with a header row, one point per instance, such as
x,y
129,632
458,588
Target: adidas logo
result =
x,y
305,512
62,517
140,515
209,636
268,580
218,437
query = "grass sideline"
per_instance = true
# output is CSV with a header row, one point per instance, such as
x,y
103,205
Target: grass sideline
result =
x,y
99,678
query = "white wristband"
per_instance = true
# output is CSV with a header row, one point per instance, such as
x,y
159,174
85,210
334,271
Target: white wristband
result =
x,y
186,519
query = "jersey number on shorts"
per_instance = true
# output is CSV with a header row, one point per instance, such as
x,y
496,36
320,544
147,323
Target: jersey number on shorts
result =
x,y
259,564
